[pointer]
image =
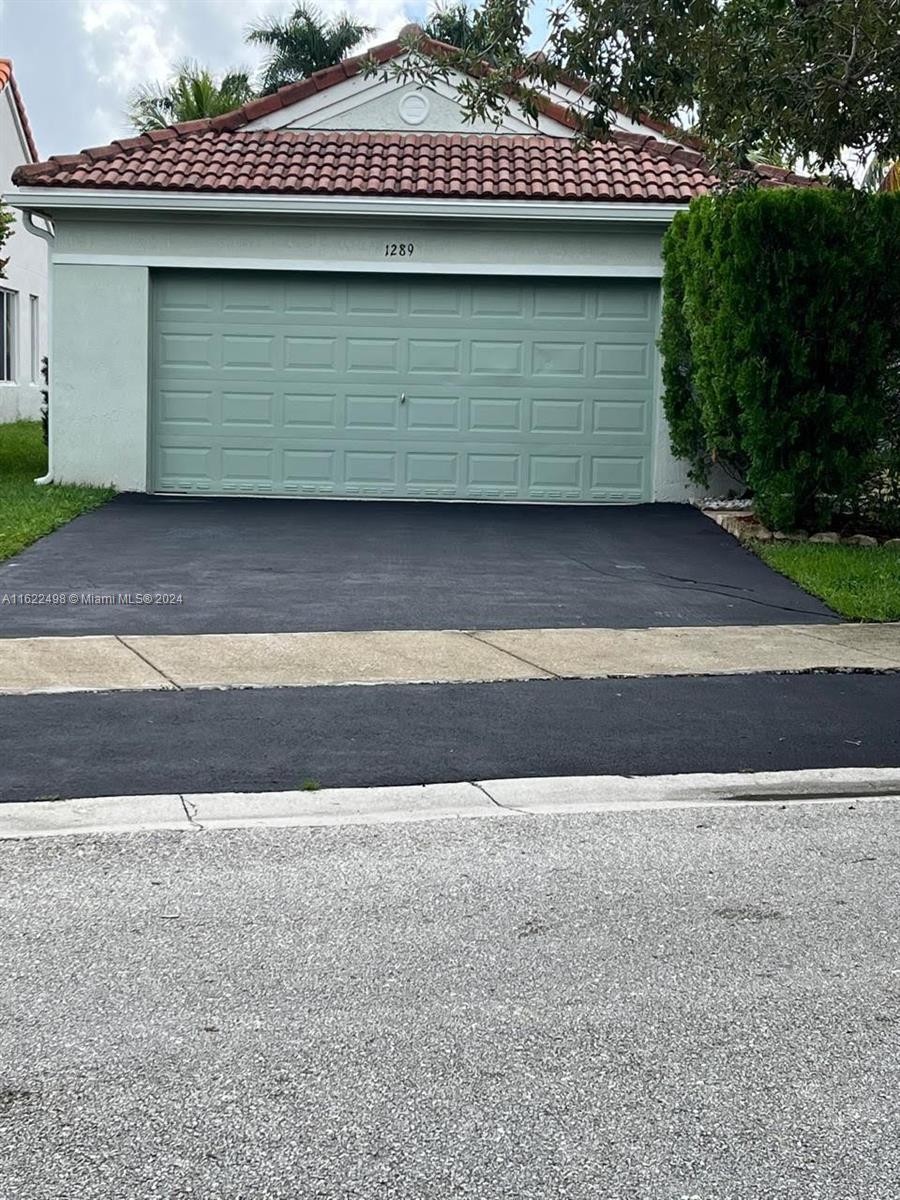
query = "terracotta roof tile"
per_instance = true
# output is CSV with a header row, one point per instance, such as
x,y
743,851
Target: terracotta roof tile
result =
x,y
8,79
625,167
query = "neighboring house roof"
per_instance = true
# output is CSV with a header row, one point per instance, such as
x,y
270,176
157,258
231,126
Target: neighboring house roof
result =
x,y
198,157
7,79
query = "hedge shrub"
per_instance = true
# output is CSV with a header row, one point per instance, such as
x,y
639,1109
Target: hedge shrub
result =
x,y
781,343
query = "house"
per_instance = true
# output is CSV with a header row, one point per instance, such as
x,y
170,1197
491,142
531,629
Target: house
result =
x,y
23,289
344,290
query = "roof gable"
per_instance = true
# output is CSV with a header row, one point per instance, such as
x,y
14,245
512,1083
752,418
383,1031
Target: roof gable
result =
x,y
338,97
359,101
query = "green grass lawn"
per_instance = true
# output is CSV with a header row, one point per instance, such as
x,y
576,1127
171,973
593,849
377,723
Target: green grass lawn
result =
x,y
861,583
28,512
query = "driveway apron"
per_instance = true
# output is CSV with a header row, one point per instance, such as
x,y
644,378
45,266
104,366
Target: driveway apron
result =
x,y
145,565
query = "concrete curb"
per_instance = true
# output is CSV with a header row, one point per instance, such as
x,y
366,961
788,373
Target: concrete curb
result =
x,y
187,812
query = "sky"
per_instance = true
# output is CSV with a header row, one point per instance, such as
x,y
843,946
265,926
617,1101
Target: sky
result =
x,y
77,61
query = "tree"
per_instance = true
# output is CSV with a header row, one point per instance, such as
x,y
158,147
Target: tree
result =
x,y
192,93
460,26
304,43
811,80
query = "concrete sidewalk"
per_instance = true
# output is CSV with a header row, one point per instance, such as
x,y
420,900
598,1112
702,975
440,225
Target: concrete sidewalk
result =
x,y
112,663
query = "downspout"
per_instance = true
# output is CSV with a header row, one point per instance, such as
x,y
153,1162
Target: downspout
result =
x,y
48,235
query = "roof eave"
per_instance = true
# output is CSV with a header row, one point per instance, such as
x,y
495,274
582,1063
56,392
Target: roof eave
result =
x,y
51,200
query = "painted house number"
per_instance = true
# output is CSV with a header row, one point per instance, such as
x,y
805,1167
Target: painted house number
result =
x,y
398,249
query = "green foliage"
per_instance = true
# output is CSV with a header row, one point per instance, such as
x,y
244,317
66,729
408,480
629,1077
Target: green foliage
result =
x,y
7,221
799,79
681,404
459,25
304,43
781,331
192,93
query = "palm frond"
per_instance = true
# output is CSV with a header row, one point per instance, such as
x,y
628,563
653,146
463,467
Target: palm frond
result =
x,y
305,43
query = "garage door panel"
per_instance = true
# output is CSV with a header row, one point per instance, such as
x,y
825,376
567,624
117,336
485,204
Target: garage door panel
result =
x,y
179,409
314,469
624,302
182,350
313,353
502,301
243,351
558,360
496,358
372,412
555,416
185,293
315,296
432,473
256,410
430,356
615,359
188,464
617,417
373,355
430,298
273,384
253,295
311,411
373,297
433,414
566,304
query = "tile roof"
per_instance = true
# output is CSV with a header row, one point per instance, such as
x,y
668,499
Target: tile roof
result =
x,y
311,162
220,154
7,79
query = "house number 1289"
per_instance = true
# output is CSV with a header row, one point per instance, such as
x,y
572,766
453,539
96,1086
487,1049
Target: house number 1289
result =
x,y
398,249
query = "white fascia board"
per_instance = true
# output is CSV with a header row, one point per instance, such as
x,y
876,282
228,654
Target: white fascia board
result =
x,y
61,199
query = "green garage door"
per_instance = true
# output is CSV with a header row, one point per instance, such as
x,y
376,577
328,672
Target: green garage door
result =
x,y
423,387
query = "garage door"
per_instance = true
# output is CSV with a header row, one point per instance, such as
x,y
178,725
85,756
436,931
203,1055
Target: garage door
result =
x,y
433,388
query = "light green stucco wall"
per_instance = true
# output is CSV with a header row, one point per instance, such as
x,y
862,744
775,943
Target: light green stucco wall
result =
x,y
478,244
98,371
99,359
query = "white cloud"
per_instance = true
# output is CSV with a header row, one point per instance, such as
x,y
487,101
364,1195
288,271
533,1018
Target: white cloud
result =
x,y
97,52
129,41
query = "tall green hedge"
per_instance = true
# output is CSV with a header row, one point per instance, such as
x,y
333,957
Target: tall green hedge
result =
x,y
781,342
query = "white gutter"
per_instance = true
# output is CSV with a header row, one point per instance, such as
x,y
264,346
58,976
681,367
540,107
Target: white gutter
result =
x,y
46,233
52,199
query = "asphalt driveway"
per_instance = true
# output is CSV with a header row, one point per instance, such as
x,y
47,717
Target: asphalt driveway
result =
x,y
274,566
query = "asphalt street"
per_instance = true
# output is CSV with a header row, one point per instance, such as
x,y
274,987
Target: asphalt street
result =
x,y
129,743
650,1006
271,566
